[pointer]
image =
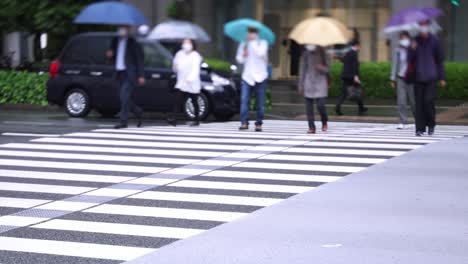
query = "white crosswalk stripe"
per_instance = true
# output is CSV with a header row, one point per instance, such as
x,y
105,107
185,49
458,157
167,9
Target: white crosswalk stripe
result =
x,y
73,249
20,202
166,212
119,194
206,198
120,229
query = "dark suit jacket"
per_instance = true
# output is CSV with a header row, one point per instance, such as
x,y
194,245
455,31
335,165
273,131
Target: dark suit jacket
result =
x,y
133,58
350,65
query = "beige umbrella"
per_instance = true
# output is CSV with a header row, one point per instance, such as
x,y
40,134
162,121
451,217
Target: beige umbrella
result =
x,y
322,31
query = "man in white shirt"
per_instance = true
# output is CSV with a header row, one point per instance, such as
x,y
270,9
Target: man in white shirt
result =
x,y
254,55
128,56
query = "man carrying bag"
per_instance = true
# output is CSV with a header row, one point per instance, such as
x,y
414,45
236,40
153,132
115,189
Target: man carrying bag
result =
x,y
352,88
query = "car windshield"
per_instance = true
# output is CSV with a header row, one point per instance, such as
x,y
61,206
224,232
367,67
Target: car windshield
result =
x,y
156,56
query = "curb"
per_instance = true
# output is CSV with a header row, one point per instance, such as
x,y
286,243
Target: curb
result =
x,y
30,107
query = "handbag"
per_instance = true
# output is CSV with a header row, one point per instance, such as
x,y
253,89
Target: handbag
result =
x,y
354,92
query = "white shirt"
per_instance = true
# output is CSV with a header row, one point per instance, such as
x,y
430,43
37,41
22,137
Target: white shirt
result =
x,y
120,59
187,67
256,61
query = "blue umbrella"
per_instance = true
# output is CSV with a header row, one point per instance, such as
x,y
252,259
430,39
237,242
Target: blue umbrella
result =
x,y
237,30
111,13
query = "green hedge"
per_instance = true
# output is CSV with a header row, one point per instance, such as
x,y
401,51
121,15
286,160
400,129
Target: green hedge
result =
x,y
376,80
30,88
218,65
23,88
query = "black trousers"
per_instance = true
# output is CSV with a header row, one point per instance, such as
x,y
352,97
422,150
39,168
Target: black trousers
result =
x,y
425,95
344,95
126,103
180,97
321,109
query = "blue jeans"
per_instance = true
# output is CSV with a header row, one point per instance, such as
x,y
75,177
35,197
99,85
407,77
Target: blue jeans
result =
x,y
260,94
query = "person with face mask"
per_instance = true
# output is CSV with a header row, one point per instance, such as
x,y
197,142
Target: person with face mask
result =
x,y
313,84
253,54
128,56
350,77
427,57
186,65
400,81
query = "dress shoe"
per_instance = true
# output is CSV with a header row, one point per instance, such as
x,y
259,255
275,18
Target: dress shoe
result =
x,y
172,122
431,131
324,127
363,110
338,111
194,124
244,127
119,126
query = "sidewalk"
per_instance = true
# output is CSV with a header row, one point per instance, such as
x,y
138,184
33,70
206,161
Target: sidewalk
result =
x,y
411,209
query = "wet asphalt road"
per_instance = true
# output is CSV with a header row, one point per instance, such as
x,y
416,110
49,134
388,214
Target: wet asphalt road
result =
x,y
21,126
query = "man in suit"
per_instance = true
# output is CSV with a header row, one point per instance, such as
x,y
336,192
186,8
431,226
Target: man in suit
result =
x,y
350,77
128,56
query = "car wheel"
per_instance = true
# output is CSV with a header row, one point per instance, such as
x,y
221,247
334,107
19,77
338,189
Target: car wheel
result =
x,y
108,113
203,104
223,117
77,103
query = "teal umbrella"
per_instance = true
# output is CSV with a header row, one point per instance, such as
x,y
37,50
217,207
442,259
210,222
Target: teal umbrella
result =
x,y
237,30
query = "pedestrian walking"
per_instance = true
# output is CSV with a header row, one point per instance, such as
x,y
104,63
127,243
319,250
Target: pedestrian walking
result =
x,y
128,56
427,65
186,65
313,84
351,78
253,54
400,81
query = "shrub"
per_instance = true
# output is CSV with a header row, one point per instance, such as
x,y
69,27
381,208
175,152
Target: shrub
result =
x,y
23,88
376,80
218,65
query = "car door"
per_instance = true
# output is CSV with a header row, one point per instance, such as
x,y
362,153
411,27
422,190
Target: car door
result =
x,y
85,65
102,74
157,93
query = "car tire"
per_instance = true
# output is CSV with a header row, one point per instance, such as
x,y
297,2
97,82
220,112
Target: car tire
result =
x,y
204,105
77,103
108,113
223,117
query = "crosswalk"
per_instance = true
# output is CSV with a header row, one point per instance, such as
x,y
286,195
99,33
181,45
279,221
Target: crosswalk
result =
x,y
110,196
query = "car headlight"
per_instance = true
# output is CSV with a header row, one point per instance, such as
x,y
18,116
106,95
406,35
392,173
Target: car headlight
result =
x,y
218,80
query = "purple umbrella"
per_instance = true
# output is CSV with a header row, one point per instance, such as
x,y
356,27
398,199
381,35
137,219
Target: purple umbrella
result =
x,y
413,15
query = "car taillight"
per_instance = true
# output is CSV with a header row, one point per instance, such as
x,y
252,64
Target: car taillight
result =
x,y
54,69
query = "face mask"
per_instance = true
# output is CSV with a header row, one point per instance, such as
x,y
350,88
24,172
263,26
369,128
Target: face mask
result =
x,y
122,32
187,47
405,43
424,29
252,36
311,47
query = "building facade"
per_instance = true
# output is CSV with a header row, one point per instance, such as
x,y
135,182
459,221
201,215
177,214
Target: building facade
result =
x,y
368,17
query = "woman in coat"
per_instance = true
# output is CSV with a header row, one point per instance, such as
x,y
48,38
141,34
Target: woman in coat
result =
x,y
313,84
186,65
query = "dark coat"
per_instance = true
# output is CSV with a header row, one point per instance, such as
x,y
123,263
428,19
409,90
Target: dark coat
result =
x,y
428,59
350,65
133,58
